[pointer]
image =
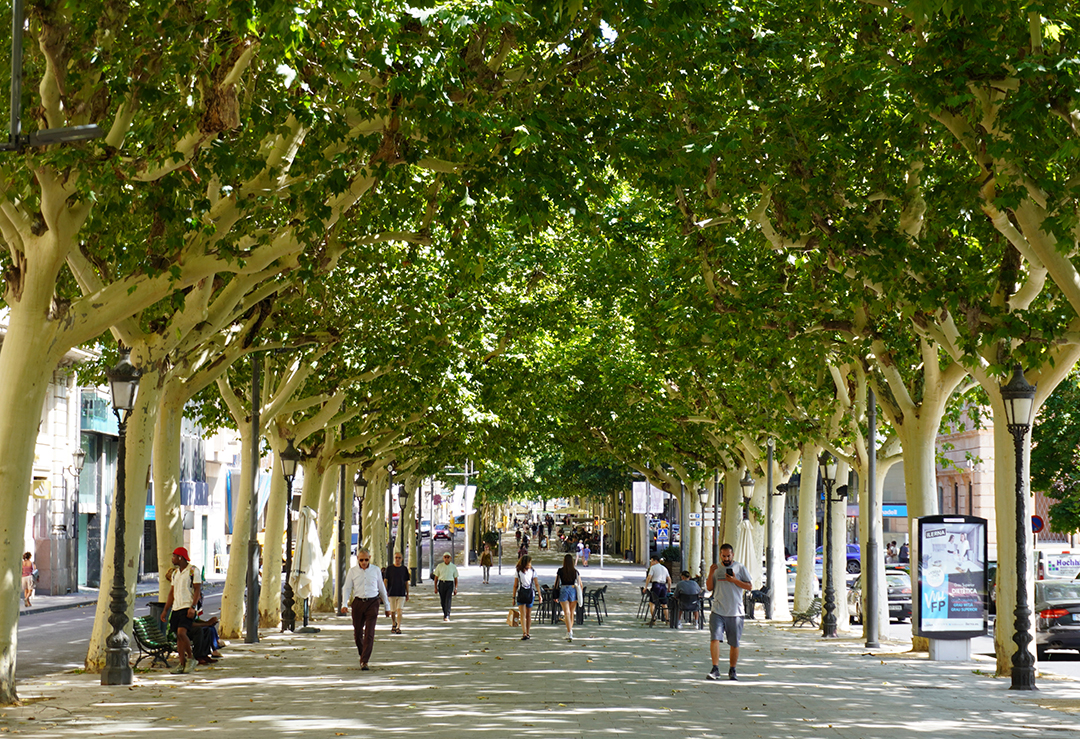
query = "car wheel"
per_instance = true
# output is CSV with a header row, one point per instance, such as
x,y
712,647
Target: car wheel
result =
x,y
854,567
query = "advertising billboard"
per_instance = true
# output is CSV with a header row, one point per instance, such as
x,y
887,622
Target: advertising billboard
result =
x,y
951,582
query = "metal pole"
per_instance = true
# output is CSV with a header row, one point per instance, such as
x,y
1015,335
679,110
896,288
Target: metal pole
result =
x,y
390,520
343,544
418,544
465,496
117,669
288,601
431,538
770,571
1023,662
251,614
718,491
17,19
684,524
873,558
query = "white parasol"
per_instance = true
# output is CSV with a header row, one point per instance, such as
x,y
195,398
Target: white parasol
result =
x,y
309,564
744,551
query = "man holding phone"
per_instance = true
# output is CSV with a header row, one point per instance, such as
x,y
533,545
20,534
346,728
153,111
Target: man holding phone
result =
x,y
726,619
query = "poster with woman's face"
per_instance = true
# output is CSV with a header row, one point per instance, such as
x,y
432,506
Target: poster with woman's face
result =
x,y
952,576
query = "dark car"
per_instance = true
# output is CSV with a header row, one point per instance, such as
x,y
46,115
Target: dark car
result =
x,y
1057,615
898,583
442,531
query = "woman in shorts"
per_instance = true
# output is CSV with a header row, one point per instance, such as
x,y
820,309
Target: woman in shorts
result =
x,y
567,587
525,586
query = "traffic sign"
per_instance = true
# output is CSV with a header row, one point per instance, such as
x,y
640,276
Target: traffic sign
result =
x,y
695,516
1037,524
695,524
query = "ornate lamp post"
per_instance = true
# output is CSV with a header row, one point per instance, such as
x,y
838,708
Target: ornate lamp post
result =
x,y
827,470
360,491
1019,398
290,458
703,496
403,500
124,382
747,485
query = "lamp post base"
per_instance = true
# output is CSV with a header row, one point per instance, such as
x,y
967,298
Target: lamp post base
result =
x,y
117,670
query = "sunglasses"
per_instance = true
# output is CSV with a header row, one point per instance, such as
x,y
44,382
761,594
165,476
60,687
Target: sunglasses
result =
x,y
363,560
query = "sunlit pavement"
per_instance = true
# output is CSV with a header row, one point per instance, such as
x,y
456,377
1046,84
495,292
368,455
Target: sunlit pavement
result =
x,y
475,677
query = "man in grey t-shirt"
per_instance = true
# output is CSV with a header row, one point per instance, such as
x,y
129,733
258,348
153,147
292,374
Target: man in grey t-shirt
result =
x,y
727,614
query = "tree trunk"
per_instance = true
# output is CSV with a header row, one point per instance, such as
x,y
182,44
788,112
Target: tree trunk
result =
x,y
232,598
139,443
273,538
731,509
328,515
168,523
804,572
27,359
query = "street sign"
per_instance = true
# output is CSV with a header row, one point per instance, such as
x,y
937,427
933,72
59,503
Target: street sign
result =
x,y
794,526
695,524
695,516
1037,524
662,535
710,510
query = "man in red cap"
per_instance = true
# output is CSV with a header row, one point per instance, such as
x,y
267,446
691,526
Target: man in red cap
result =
x,y
184,592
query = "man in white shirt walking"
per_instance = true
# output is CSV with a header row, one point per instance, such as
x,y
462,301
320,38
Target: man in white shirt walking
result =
x,y
729,583
362,591
185,591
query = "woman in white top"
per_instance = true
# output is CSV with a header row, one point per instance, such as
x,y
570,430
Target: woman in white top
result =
x,y
525,593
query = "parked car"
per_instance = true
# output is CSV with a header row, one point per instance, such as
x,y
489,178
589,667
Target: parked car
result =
x,y
898,584
854,562
442,531
1057,615
425,528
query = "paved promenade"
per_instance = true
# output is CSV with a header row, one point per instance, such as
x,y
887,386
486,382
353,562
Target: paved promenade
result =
x,y
474,677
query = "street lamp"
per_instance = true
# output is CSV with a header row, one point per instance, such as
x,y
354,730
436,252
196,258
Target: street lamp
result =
x,y
290,458
124,383
747,485
703,496
1019,398
827,470
403,500
359,492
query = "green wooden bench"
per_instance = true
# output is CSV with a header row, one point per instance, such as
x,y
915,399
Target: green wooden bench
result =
x,y
809,616
152,640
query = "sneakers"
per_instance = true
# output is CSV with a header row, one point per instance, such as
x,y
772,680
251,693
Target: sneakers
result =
x,y
191,664
731,674
714,674
181,669
570,635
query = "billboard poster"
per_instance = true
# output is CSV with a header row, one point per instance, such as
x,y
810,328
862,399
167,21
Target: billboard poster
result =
x,y
951,582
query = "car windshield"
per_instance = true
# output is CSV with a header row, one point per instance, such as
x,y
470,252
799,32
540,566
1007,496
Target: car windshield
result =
x,y
898,580
1059,591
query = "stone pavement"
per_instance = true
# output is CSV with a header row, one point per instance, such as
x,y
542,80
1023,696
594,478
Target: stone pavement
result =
x,y
475,677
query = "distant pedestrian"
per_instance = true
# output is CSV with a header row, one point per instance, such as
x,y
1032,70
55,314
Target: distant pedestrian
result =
x,y
586,552
446,584
27,577
567,588
363,589
905,552
657,583
486,561
726,619
524,594
185,590
580,551
396,579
